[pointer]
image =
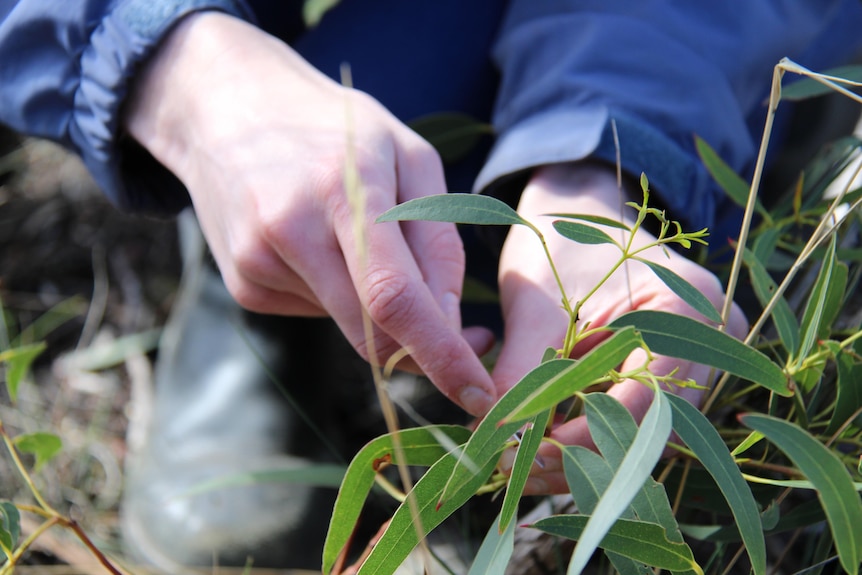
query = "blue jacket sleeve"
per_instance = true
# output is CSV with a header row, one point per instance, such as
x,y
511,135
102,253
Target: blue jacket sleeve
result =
x,y
663,71
64,72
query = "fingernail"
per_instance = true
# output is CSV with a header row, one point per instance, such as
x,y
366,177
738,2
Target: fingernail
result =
x,y
451,306
475,400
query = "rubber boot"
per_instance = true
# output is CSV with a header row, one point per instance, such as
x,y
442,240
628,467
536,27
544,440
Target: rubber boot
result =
x,y
217,414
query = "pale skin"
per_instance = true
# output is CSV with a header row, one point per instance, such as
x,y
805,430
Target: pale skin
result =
x,y
259,137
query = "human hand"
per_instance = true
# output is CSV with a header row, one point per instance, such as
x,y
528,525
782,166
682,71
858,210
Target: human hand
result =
x,y
535,319
260,139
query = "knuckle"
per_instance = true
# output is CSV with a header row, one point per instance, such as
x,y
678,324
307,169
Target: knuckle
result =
x,y
391,298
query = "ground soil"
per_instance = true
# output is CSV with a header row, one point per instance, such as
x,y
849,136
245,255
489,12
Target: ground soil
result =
x,y
84,277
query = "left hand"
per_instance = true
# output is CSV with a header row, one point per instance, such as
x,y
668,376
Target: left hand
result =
x,y
533,313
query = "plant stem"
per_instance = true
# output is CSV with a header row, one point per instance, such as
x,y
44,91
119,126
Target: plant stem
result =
x,y
10,446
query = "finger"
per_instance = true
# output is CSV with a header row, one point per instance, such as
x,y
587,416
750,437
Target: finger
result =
x,y
392,289
436,246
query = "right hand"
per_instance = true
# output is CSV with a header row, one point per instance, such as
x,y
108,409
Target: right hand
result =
x,y
260,139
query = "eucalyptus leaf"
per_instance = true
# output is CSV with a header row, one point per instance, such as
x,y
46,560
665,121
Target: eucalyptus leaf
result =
x,y
421,446
453,135
849,385
587,475
811,88
825,470
764,287
638,540
554,388
685,338
524,458
629,478
687,292
44,446
400,536
10,525
493,432
812,318
734,186
582,234
698,433
496,550
18,361
455,208
600,220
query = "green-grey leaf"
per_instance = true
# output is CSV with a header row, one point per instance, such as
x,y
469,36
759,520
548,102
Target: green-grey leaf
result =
x,y
814,308
493,432
587,476
10,525
524,457
698,433
576,376
400,536
421,446
834,485
581,233
689,294
629,478
849,384
638,540
810,88
44,446
764,286
496,550
600,220
734,186
452,134
455,208
613,430
685,338
18,361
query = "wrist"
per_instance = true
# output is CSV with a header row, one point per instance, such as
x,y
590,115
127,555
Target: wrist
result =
x,y
582,187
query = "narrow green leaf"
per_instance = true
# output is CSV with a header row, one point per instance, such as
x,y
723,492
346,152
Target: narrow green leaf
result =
x,y
44,446
314,10
421,447
849,384
453,135
638,540
629,478
764,286
492,433
685,290
600,220
688,339
576,376
835,291
814,308
496,550
753,439
524,457
613,430
18,361
456,208
734,186
811,88
582,234
10,525
400,536
698,433
834,486
587,475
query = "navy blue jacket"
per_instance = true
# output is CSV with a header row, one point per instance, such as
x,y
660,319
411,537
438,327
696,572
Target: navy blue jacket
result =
x,y
662,70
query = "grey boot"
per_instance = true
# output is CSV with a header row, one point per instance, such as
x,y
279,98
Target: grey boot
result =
x,y
217,413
